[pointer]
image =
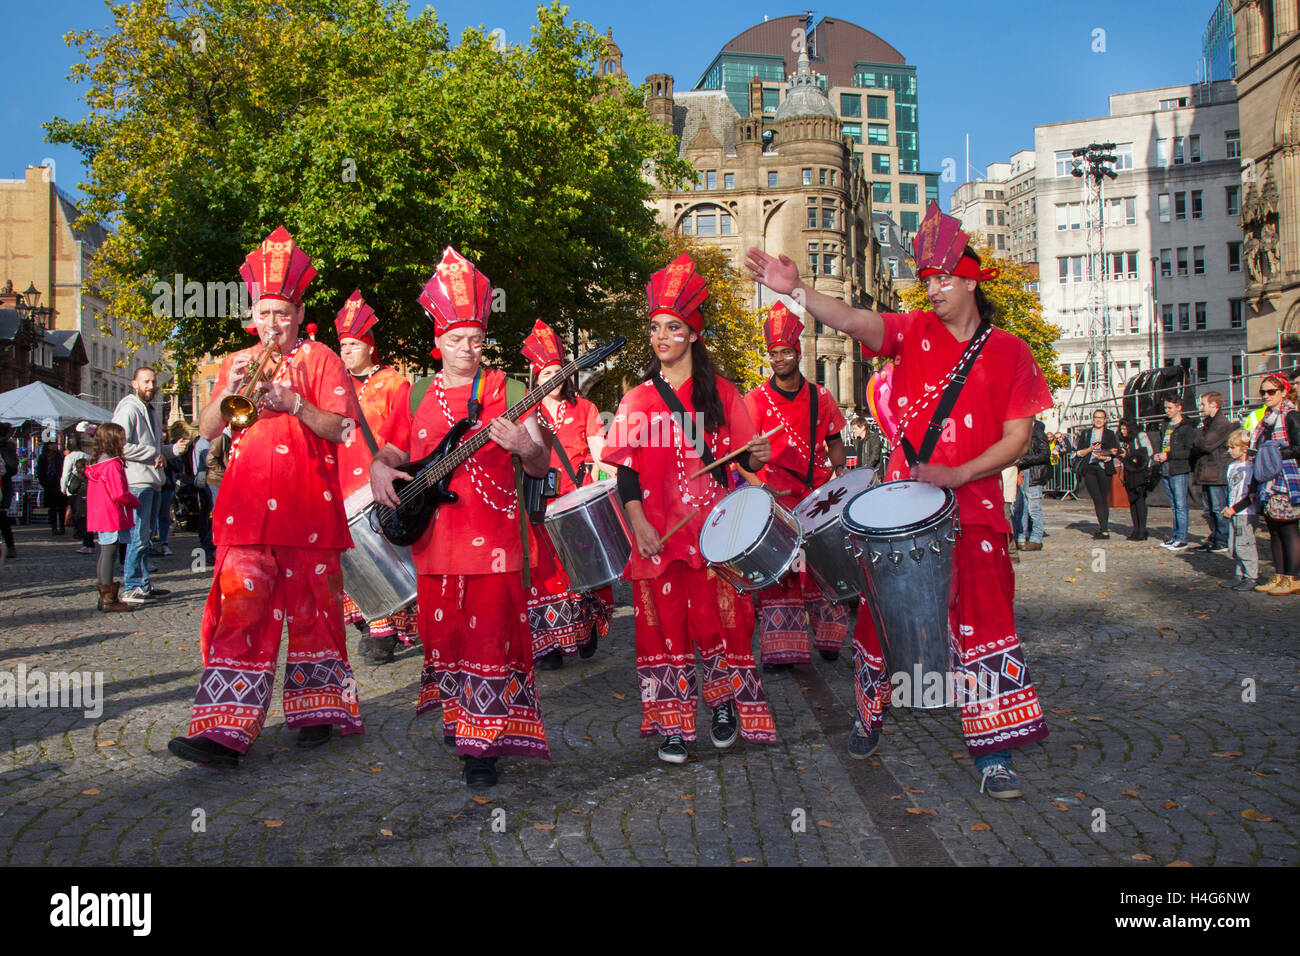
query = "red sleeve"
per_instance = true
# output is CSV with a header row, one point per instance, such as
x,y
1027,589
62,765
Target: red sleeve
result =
x,y
829,412
1029,392
396,430
592,427
223,376
895,326
626,433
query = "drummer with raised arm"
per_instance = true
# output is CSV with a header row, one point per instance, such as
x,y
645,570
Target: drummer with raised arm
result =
x,y
806,453
988,427
379,390
563,622
680,603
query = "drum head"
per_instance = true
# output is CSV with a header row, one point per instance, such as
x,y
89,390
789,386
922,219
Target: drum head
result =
x,y
735,523
580,496
895,507
824,504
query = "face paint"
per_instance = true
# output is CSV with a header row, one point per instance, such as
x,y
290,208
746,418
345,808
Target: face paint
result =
x,y
945,286
678,338
476,349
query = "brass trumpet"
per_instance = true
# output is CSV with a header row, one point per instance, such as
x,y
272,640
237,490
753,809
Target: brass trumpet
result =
x,y
239,410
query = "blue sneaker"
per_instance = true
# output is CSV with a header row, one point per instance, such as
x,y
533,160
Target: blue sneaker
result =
x,y
1000,782
861,744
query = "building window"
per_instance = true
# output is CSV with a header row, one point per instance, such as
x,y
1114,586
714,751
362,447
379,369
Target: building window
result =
x,y
1202,368
1184,317
828,263
907,194
1123,154
1163,206
688,225
1068,216
1182,260
1134,324
821,175
877,134
1194,148
1166,263
880,163
1232,143
821,371
1236,314
1179,153
1236,366
1162,152
1070,268
1233,196
1234,257
851,104
706,224
883,231
881,193
1173,104
1002,217
877,107
771,179
807,177
699,180
1198,260
812,213
1200,317
853,131
1167,318
771,100
1064,162
1002,241
728,180
988,217
812,257
1198,204
1180,206
909,222
711,179
828,213
893,268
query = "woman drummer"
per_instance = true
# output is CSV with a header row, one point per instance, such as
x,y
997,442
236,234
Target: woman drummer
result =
x,y
680,603
563,622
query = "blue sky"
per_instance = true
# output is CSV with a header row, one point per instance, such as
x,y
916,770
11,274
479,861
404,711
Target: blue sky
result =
x,y
988,71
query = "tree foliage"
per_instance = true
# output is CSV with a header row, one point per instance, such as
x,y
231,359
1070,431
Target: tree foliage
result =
x,y
733,333
376,143
1019,311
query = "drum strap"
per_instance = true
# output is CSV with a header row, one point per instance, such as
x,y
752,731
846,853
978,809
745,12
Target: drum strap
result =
x,y
369,435
688,429
812,431
553,441
946,402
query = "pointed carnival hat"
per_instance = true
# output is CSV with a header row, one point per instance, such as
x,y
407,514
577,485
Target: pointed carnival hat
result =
x,y
456,294
782,327
938,249
542,347
356,319
678,290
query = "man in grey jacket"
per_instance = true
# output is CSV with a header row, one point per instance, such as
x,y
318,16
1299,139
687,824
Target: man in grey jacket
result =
x,y
144,455
1210,451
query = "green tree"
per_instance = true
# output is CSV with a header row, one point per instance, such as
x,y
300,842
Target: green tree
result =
x,y
376,143
1019,311
732,331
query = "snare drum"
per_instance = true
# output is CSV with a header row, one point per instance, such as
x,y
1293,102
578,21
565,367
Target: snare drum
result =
x,y
749,539
834,569
902,534
590,534
378,575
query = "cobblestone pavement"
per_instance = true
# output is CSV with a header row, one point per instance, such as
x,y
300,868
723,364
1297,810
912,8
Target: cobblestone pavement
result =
x,y
1141,661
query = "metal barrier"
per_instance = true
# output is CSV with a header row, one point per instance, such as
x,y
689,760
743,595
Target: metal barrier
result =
x,y
1062,481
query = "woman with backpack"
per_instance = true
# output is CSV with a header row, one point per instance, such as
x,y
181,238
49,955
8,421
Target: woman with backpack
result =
x,y
1274,448
1135,457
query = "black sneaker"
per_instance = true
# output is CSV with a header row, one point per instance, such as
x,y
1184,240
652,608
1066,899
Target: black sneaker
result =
x,y
1101,535
588,651
725,727
480,772
309,738
203,751
551,662
830,655
861,744
673,749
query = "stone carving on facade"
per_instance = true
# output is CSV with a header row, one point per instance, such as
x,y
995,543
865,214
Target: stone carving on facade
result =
x,y
1260,230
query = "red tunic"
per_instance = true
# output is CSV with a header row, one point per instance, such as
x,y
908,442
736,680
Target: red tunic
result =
x,y
378,395
576,424
790,446
282,484
644,437
1005,384
479,532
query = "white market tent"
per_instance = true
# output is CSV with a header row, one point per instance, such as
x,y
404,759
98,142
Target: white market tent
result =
x,y
40,403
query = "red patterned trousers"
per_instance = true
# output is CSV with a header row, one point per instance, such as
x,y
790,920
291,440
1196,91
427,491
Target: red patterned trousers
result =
x,y
1003,710
784,612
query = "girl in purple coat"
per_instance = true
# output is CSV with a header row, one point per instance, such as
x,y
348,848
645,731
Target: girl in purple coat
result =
x,y
110,508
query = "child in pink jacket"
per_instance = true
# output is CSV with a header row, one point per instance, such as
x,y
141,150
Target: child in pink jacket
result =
x,y
110,508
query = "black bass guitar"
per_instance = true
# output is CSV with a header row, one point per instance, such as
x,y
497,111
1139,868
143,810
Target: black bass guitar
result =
x,y
420,497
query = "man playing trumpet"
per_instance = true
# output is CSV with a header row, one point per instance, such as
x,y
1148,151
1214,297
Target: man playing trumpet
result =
x,y
279,528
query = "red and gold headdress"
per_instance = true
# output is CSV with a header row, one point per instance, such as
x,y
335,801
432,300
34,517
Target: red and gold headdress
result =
x,y
938,249
542,347
356,319
782,327
456,294
278,269
678,290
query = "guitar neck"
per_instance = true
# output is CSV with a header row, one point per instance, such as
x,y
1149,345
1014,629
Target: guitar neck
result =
x,y
518,410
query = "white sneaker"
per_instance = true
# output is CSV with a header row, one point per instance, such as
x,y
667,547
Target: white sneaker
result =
x,y
134,596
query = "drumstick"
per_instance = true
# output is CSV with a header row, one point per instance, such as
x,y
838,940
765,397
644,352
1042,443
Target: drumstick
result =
x,y
679,525
735,454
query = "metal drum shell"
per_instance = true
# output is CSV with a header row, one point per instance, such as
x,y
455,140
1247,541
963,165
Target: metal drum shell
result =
x,y
591,535
907,591
378,575
826,556
766,559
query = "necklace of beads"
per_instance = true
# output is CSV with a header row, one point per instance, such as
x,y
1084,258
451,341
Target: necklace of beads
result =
x,y
282,376
477,475
679,448
793,434
934,394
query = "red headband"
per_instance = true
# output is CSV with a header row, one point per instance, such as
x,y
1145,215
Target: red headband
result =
x,y
966,268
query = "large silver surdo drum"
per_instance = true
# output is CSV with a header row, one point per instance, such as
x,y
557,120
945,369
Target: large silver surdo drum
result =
x,y
831,565
749,539
590,534
902,534
378,575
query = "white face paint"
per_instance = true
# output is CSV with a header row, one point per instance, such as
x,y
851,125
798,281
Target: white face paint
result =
x,y
679,338
945,286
